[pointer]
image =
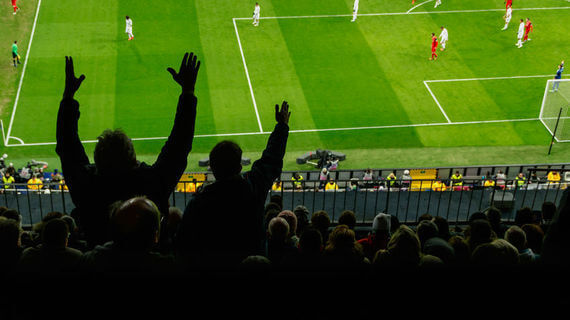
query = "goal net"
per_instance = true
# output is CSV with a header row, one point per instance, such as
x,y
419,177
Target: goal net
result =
x,y
554,109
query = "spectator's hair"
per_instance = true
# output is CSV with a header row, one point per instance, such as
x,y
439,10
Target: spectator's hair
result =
x,y
523,216
225,159
270,214
404,246
442,227
344,239
302,214
278,199
114,152
135,224
548,210
480,232
12,214
348,218
534,236
2,210
516,236
10,232
425,230
499,252
55,233
278,229
321,221
311,241
291,220
460,248
425,216
38,227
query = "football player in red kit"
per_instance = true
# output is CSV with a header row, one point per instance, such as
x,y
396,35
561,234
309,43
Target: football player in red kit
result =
x,y
508,3
15,6
433,47
527,29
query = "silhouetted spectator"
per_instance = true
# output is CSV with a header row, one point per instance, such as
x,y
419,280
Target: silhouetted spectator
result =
x,y
497,253
75,239
348,218
534,237
302,214
94,187
462,255
523,216
517,237
134,228
279,244
403,251
291,219
442,227
494,217
53,254
309,255
321,221
479,232
378,236
233,204
10,248
556,246
343,252
425,230
548,210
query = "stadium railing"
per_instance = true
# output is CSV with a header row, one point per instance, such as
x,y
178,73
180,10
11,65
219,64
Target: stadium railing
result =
x,y
406,199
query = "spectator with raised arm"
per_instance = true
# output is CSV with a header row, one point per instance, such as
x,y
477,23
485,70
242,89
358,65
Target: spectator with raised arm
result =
x,y
233,204
115,158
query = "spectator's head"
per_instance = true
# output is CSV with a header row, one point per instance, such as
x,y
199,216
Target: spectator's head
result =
x,y
480,232
291,220
493,215
10,232
38,227
516,236
55,233
278,199
270,214
478,215
548,210
426,229
523,216
302,214
278,229
442,227
114,152
499,252
348,218
225,159
13,214
425,216
321,221
135,224
460,249
311,241
341,238
534,236
404,246
382,224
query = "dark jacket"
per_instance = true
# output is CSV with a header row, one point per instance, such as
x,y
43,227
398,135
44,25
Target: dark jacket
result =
x,y
93,193
223,222
50,259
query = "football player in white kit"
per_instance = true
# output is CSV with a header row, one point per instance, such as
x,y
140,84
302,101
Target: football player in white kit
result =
x,y
507,17
129,28
443,37
520,34
437,3
354,10
256,13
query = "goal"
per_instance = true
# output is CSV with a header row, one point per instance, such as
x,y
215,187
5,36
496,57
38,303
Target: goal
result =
x,y
554,109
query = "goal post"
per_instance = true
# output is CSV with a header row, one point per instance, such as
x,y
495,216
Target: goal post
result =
x,y
554,111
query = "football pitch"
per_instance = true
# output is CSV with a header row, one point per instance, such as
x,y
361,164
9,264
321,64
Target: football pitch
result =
x,y
364,88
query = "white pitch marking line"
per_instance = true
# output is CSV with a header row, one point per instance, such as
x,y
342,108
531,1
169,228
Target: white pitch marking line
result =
x,y
22,76
437,102
247,76
417,5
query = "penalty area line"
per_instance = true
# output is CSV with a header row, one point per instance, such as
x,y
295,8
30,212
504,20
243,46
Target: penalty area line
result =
x,y
396,126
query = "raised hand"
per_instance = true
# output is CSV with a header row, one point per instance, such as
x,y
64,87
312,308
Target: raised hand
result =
x,y
186,76
282,116
71,82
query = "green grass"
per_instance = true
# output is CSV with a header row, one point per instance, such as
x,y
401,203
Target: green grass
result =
x,y
365,78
